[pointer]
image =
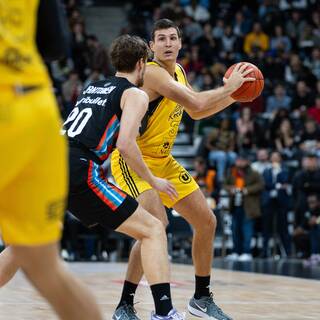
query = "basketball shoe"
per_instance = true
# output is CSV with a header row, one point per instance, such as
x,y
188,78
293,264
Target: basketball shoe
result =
x,y
172,315
125,312
206,308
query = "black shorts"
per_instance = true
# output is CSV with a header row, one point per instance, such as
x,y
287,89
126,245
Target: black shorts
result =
x,y
92,198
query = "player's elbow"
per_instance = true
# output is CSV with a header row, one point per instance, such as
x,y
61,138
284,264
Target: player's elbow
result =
x,y
196,104
195,108
192,108
195,115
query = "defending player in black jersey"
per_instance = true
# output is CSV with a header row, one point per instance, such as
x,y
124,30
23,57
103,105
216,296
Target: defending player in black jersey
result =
x,y
108,115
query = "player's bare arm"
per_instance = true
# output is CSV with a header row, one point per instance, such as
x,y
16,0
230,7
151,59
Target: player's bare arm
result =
x,y
218,106
134,104
158,82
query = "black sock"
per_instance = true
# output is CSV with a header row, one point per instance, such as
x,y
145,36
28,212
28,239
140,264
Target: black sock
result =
x,y
128,292
162,298
202,287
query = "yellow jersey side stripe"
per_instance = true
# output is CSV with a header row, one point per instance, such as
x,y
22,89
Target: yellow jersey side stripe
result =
x,y
127,177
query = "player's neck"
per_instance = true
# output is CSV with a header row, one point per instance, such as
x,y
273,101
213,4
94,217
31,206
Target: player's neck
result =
x,y
131,77
170,66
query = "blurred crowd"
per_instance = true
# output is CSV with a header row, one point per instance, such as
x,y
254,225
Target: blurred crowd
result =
x,y
264,155
87,60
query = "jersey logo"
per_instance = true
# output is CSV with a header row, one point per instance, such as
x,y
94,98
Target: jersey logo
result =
x,y
185,177
176,113
165,148
88,100
98,90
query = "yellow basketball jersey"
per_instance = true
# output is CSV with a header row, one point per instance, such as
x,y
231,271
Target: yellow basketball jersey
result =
x,y
20,62
160,125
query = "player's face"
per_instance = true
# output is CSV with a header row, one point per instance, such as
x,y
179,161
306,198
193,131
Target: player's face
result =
x,y
166,44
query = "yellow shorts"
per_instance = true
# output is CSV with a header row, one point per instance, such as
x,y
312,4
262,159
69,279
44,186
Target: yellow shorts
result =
x,y
33,162
167,168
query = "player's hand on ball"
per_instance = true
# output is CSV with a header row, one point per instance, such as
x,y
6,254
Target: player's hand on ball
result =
x,y
163,185
238,76
245,80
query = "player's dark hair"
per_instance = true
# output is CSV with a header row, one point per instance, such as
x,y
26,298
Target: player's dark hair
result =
x,y
126,51
164,24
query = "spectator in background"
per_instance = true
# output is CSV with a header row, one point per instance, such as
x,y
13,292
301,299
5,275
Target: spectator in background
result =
x,y
280,42
308,40
262,162
310,138
312,224
315,21
275,203
241,26
70,5
244,186
302,98
266,8
218,29
206,178
79,49
314,112
305,182
195,63
228,41
207,81
295,71
256,40
192,29
71,90
284,141
194,80
278,100
221,143
198,12
75,17
313,62
274,125
245,137
60,69
296,4
295,25
97,55
273,70
208,46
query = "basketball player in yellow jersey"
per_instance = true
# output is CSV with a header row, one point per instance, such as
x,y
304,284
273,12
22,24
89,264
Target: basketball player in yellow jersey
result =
x,y
170,94
33,158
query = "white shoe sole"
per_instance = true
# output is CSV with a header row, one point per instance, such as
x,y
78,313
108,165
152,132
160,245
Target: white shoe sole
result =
x,y
199,313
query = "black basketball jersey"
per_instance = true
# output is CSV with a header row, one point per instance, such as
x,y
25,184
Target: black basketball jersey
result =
x,y
94,122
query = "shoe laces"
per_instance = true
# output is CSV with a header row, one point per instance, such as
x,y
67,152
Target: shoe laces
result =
x,y
210,301
177,316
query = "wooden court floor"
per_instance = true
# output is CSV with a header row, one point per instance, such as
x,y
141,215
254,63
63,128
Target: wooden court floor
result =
x,y
245,296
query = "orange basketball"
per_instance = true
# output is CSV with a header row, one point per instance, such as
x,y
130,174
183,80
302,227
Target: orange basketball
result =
x,y
251,89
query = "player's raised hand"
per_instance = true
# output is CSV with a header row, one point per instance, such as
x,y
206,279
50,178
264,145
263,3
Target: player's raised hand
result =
x,y
163,185
238,76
